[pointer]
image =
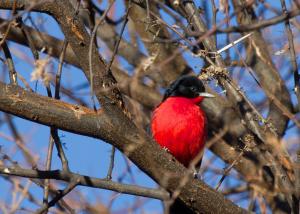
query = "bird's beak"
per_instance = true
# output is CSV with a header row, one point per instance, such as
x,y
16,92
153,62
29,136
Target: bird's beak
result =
x,y
205,94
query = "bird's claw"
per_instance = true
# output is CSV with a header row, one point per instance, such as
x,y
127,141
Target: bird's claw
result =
x,y
196,175
166,149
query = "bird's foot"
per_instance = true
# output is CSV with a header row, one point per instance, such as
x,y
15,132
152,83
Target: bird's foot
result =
x,y
166,149
197,175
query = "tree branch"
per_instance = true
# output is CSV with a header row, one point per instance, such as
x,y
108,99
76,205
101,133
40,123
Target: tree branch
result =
x,y
145,153
85,181
261,23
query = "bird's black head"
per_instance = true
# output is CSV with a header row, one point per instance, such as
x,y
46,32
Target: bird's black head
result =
x,y
186,86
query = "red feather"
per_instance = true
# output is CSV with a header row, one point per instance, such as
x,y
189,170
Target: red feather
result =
x,y
179,125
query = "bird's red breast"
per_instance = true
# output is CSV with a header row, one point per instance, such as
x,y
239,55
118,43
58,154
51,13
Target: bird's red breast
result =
x,y
179,125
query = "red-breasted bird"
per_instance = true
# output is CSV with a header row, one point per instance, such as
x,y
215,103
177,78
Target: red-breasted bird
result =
x,y
178,123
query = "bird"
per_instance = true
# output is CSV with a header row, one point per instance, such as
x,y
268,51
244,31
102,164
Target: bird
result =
x,y
178,123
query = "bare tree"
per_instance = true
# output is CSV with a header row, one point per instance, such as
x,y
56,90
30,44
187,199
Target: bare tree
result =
x,y
245,52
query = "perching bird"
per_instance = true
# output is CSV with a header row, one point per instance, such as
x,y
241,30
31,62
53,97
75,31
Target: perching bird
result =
x,y
178,123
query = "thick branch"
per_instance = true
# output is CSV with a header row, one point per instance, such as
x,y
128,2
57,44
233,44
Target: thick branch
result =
x,y
136,145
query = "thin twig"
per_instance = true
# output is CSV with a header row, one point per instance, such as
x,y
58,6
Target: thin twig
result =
x,y
107,19
20,141
59,196
4,36
93,35
227,170
191,167
208,144
54,135
233,43
29,38
59,70
261,24
172,28
240,28
86,181
23,80
148,11
20,14
248,68
292,55
10,64
119,39
297,176
40,183
54,139
61,153
283,109
214,18
111,165
23,193
54,131
48,167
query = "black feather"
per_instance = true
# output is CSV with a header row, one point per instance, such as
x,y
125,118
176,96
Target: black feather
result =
x,y
185,86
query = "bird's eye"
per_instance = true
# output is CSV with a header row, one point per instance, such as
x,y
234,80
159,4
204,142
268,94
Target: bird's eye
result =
x,y
194,89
